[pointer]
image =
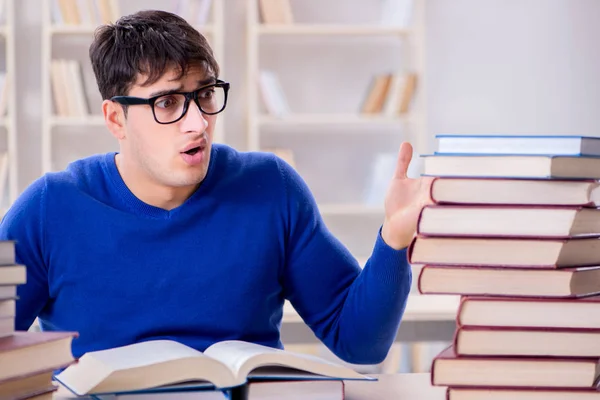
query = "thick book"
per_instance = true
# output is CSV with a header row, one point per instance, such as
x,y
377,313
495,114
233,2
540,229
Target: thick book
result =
x,y
582,313
158,364
275,390
12,275
531,342
515,252
7,252
24,353
511,166
8,292
503,281
519,144
483,393
504,191
509,221
448,369
27,386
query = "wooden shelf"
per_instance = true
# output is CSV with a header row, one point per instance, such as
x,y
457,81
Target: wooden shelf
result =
x,y
88,30
331,119
91,120
336,30
350,209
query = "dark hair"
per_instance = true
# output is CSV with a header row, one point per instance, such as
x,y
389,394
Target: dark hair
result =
x,y
148,42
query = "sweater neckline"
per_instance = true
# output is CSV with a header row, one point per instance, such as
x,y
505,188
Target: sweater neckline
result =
x,y
139,207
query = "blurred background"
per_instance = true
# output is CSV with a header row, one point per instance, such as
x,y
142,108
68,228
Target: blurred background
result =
x,y
331,86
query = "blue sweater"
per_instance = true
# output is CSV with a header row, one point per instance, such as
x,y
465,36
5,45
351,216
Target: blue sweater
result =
x,y
117,270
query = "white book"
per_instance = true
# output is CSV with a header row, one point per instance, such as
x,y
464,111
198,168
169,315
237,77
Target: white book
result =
x,y
272,94
151,364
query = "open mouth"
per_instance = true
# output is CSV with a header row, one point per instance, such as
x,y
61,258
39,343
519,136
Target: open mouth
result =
x,y
193,151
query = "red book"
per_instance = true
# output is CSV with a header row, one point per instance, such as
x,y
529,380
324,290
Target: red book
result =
x,y
510,221
448,369
583,313
505,252
482,393
23,353
526,342
477,191
512,282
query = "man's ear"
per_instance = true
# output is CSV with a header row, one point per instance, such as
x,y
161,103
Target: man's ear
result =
x,y
114,117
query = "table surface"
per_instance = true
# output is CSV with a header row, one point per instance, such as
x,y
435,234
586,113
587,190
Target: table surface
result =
x,y
392,386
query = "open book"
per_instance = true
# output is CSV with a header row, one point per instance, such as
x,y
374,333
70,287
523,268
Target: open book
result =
x,y
159,364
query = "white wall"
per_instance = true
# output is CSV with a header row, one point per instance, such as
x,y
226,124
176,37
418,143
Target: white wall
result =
x,y
493,66
513,66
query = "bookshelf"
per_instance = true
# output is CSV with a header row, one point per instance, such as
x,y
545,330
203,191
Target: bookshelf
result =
x,y
60,30
264,126
8,157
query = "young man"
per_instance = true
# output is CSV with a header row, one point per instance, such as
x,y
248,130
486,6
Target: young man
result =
x,y
174,237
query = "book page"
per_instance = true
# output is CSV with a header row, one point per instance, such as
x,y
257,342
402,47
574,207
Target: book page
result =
x,y
143,365
144,353
243,357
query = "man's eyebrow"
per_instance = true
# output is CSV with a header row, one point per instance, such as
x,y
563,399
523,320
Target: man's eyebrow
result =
x,y
166,91
207,81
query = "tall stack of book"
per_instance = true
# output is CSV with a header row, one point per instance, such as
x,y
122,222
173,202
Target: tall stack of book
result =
x,y
27,359
515,231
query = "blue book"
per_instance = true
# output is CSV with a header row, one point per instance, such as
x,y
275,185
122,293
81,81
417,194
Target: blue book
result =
x,y
559,145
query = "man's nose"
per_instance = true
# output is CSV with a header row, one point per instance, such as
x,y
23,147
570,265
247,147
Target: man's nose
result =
x,y
194,120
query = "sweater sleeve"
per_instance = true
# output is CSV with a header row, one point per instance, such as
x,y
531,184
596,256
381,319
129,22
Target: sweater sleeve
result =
x,y
24,223
355,313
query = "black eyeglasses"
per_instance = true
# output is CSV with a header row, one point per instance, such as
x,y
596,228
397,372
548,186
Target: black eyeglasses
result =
x,y
171,107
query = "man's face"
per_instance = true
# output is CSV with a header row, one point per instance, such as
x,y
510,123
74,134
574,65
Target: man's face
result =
x,y
173,155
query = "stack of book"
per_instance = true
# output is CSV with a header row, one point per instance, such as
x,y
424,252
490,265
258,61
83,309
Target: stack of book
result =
x,y
514,230
27,359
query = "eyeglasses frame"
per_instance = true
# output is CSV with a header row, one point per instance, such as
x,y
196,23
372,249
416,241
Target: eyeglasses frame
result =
x,y
189,96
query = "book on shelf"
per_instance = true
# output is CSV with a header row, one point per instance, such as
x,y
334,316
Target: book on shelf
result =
x,y
519,144
68,88
503,281
272,93
390,94
4,168
4,93
511,166
84,12
275,12
519,192
495,251
156,365
379,88
508,221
